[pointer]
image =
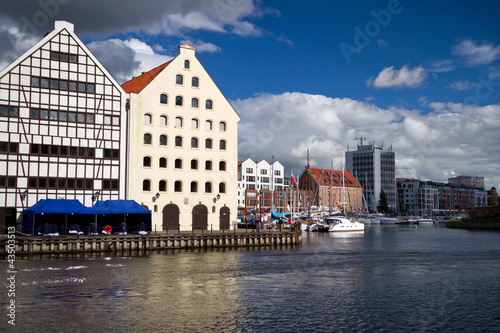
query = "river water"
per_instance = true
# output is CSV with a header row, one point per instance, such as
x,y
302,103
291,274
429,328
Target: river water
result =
x,y
387,279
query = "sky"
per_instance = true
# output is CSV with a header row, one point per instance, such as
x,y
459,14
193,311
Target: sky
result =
x,y
422,77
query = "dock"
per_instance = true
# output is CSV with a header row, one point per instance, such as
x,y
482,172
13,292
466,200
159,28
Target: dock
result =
x,y
162,241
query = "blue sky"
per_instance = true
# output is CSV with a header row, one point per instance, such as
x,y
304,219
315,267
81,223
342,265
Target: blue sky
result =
x,y
422,76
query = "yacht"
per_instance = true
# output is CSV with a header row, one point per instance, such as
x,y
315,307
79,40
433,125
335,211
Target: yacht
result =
x,y
337,224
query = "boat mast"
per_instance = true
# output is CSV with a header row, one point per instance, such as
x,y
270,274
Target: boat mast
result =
x,y
308,189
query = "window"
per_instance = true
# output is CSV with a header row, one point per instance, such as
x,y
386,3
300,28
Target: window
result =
x,y
194,164
146,185
163,162
163,99
222,126
163,140
222,166
194,142
194,102
222,188
194,123
179,79
208,104
178,122
186,64
208,143
162,186
208,187
163,120
178,186
178,141
195,82
194,187
147,139
11,111
147,119
178,163
208,125
222,145
178,100
208,165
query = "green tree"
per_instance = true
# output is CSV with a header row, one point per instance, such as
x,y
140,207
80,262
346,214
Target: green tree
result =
x,y
383,206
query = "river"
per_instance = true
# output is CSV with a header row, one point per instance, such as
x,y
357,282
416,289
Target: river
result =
x,y
387,279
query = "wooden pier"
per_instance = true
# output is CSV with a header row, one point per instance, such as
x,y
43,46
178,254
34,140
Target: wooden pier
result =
x,y
129,243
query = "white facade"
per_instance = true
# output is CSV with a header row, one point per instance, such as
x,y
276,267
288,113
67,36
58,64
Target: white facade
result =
x,y
183,146
259,176
62,125
374,168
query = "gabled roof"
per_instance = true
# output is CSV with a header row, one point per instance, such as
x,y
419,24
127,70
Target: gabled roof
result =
x,y
138,83
333,177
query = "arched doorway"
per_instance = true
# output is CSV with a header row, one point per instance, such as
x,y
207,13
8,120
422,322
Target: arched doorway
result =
x,y
200,216
170,217
224,218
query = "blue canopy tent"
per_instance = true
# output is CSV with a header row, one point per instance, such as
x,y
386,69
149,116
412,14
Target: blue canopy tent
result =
x,y
53,216
122,216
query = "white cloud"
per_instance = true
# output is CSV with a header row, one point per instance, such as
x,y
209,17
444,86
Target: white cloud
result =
x,y
462,85
202,46
393,78
453,138
475,54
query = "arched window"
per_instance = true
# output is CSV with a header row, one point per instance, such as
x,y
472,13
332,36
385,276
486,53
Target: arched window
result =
x,y
194,164
163,140
208,125
222,145
194,187
178,163
162,186
195,82
178,100
222,126
208,143
179,79
208,165
146,161
178,141
194,123
186,64
208,104
178,122
147,139
163,120
163,99
178,186
222,187
222,166
194,102
147,119
146,185
208,187
194,142
163,162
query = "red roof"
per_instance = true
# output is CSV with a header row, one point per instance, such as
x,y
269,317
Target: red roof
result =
x,y
333,177
138,83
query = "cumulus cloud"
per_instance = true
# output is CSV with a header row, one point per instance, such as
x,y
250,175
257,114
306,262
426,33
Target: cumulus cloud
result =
x,y
451,138
402,78
476,54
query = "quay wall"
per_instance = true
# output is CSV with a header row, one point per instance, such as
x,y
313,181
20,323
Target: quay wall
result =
x,y
122,243
473,225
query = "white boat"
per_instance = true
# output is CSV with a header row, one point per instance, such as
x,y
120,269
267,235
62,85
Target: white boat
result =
x,y
425,219
388,220
338,224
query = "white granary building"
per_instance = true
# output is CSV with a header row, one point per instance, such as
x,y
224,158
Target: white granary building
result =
x,y
62,127
183,143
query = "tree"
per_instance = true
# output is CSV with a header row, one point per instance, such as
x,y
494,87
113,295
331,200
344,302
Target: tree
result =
x,y
383,206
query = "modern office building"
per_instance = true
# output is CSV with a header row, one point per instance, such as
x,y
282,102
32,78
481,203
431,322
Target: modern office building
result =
x,y
62,127
374,168
183,143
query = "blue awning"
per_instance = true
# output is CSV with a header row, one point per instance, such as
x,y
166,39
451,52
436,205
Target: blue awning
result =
x,y
59,206
119,207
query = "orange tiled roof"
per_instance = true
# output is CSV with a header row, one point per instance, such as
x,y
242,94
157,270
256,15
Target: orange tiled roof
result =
x,y
333,177
138,83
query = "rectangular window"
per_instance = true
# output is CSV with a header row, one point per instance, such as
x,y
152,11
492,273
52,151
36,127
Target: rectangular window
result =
x,y
34,114
42,182
72,116
88,184
81,87
35,149
3,147
81,117
35,81
90,152
72,86
116,153
4,110
11,182
44,114
52,183
63,85
63,116
81,152
53,115
90,88
72,151
90,118
45,83
105,184
2,182
45,149
63,151
71,183
54,150
32,182
63,57
73,58
61,183
54,56
79,183
54,84
114,184
107,153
